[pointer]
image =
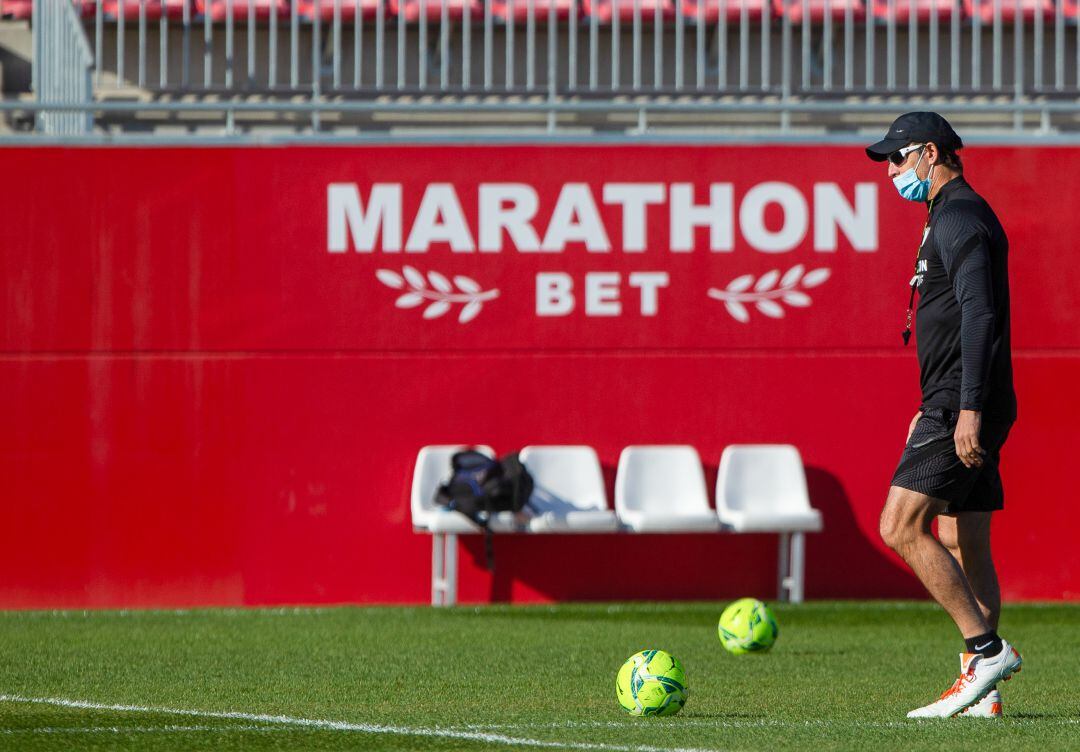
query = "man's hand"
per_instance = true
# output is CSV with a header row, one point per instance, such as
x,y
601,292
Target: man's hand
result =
x,y
967,438
911,428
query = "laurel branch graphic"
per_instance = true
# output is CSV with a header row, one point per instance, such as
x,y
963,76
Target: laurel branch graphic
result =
x,y
442,293
766,293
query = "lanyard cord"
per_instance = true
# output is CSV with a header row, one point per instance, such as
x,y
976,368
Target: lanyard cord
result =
x,y
906,334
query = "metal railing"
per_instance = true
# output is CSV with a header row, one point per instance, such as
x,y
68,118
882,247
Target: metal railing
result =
x,y
1016,61
565,47
62,68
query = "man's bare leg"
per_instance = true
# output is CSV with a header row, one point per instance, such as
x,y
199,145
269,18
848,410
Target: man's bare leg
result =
x,y
905,528
967,537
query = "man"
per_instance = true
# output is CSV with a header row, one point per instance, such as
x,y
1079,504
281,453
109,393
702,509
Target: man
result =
x,y
949,466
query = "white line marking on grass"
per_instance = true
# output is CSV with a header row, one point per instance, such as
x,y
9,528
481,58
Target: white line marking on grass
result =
x,y
760,723
366,728
129,729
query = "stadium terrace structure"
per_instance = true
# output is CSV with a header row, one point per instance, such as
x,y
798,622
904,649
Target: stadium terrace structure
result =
x,y
612,68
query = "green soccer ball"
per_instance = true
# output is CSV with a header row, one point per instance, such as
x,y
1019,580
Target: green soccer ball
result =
x,y
748,626
651,682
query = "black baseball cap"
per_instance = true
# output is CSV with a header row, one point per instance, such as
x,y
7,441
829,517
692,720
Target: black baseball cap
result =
x,y
915,127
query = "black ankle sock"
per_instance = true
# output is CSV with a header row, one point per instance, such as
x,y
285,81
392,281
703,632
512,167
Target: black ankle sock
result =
x,y
988,644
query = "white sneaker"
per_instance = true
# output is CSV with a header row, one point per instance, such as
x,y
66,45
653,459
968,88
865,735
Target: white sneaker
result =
x,y
987,707
978,676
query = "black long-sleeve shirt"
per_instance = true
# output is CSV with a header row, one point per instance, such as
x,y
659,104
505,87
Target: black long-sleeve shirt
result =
x,y
962,321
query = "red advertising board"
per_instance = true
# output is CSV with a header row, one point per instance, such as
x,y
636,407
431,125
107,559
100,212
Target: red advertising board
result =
x,y
218,364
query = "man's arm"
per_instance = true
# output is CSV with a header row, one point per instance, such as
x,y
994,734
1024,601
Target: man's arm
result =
x,y
965,253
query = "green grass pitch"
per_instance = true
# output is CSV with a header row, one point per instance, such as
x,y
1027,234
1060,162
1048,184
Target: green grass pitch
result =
x,y
841,676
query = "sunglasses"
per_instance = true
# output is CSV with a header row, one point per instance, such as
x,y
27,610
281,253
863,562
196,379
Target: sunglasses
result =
x,y
900,156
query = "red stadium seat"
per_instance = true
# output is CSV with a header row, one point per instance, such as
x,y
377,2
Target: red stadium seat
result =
x,y
129,9
924,9
218,9
455,9
732,9
18,9
1028,8
501,9
605,9
324,9
793,9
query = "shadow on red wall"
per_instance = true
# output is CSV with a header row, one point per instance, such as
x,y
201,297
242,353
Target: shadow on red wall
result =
x,y
841,562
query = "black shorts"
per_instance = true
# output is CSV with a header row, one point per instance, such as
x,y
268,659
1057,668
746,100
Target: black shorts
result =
x,y
930,466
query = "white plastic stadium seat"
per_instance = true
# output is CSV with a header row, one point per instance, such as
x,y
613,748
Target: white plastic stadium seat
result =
x,y
762,488
661,489
433,469
568,493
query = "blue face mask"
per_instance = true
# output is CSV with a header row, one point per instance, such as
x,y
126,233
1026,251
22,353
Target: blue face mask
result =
x,y
910,187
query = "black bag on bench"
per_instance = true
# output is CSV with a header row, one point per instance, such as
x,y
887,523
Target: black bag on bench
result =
x,y
481,486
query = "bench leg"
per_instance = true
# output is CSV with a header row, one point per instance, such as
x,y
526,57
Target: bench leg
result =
x,y
783,567
443,569
792,567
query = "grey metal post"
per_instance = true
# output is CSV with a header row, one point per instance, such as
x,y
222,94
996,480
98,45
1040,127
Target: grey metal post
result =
x,y
422,52
142,43
336,37
997,44
826,46
615,10
488,47
185,63
572,41
99,42
316,67
508,74
1018,62
163,49
294,47
933,46
1059,46
466,47
358,44
530,44
868,76
444,45
401,50
594,53
271,55
1037,52
766,50
721,47
62,68
890,47
229,56
806,44
680,42
658,46
976,47
699,45
913,48
637,44
251,48
553,63
121,22
380,44
849,45
744,47
954,48
207,51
